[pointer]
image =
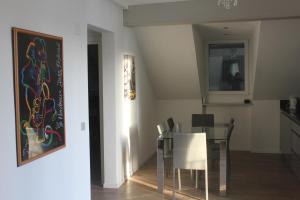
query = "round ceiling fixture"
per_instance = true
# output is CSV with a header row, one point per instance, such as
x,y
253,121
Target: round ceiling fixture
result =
x,y
227,4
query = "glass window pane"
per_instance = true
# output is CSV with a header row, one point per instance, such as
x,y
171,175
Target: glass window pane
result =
x,y
226,67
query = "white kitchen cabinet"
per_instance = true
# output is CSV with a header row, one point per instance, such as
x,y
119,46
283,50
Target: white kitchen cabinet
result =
x,y
285,135
290,141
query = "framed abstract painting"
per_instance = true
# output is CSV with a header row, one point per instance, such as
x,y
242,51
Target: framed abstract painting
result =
x,y
39,94
129,78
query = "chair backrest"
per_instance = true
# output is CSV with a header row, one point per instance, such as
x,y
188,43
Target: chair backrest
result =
x,y
161,128
178,128
171,124
230,129
189,151
203,120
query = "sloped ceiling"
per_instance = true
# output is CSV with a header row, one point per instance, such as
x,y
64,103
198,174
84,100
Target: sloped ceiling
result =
x,y
169,53
278,60
126,3
227,30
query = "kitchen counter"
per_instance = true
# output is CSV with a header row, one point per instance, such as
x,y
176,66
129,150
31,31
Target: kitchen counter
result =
x,y
293,117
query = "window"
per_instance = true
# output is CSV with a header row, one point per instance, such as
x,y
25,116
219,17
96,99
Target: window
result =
x,y
227,67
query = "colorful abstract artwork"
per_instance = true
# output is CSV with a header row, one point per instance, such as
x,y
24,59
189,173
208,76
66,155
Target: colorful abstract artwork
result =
x,y
39,94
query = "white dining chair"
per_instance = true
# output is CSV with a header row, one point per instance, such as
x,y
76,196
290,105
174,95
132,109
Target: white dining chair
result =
x,y
190,152
167,148
162,129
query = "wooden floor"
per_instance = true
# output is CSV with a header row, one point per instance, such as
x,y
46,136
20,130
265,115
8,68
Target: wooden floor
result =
x,y
253,177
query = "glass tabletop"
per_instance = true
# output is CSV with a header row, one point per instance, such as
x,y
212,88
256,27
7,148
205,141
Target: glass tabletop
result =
x,y
212,133
218,132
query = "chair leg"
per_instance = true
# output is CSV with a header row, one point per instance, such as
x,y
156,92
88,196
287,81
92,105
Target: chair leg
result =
x,y
206,184
196,178
168,168
174,187
179,179
191,173
228,166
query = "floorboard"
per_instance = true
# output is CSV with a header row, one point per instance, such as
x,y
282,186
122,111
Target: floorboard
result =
x,y
253,177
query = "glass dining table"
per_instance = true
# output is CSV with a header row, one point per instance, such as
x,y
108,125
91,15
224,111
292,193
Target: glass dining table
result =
x,y
218,135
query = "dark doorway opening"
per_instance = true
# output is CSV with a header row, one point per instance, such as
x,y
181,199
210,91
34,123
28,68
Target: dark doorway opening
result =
x,y
94,114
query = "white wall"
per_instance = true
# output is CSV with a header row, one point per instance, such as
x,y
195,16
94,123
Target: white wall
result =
x,y
241,135
65,174
256,127
142,137
277,71
55,176
266,126
180,109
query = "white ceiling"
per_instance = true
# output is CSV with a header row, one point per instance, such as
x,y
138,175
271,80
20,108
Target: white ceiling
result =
x,y
202,11
169,53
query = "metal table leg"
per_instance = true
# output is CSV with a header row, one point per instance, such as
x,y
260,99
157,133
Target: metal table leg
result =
x,y
160,165
223,168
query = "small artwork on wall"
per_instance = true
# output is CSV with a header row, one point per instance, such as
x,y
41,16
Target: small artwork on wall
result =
x,y
39,94
129,78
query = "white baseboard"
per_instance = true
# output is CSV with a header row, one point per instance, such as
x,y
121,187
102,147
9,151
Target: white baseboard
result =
x,y
113,185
